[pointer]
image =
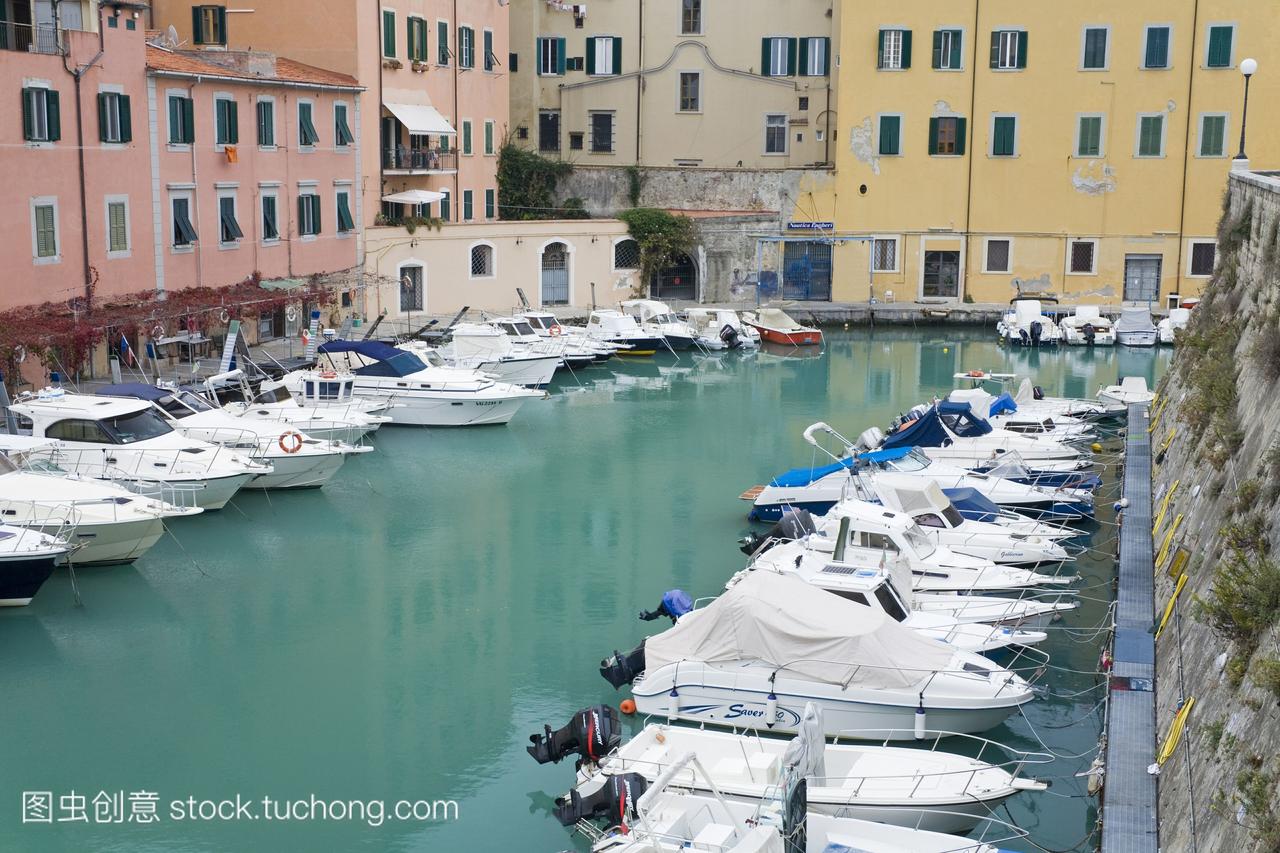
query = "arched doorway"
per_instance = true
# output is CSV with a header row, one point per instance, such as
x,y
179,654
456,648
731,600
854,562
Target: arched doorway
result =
x,y
555,274
678,281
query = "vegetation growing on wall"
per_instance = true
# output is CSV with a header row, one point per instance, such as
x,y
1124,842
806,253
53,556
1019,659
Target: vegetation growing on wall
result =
x,y
635,183
527,185
662,237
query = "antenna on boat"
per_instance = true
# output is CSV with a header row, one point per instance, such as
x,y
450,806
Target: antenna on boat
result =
x,y
524,300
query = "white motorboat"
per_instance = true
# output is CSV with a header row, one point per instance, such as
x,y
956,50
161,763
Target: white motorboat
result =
x,y
720,328
297,460
1026,325
1168,328
577,349
657,318
926,789
817,488
1087,327
1031,399
754,656
1003,413
670,818
485,347
275,404
105,522
1134,328
27,559
1118,398
617,328
128,442
428,392
324,388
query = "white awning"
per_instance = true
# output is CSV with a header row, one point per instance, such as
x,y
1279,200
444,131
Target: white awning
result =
x,y
421,119
414,197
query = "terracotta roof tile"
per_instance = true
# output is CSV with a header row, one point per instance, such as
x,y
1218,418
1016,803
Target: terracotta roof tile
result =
x,y
287,70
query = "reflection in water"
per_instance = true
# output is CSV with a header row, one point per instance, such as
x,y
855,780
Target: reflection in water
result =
x,y
401,632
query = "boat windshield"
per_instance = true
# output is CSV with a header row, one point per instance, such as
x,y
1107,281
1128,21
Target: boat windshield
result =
x,y
522,329
919,541
664,318
36,464
195,401
892,606
7,465
135,427
279,394
915,460
953,516
402,363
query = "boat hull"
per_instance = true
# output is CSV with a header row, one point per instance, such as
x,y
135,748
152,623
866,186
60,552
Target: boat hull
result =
x,y
1142,338
209,494
436,412
800,338
298,471
22,577
107,544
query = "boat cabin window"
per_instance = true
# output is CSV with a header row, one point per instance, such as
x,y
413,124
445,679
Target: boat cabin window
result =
x,y
524,329
878,541
195,401
930,519
509,328
594,321
890,603
279,394
920,541
78,430
138,426
323,390
953,515
851,596
173,406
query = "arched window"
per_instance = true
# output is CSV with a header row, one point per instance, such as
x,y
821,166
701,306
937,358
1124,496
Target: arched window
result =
x,y
626,255
482,261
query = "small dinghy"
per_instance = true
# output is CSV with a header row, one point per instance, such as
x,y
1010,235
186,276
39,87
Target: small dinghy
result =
x,y
1132,389
776,327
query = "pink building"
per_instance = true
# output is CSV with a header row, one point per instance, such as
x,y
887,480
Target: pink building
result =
x,y
74,159
255,167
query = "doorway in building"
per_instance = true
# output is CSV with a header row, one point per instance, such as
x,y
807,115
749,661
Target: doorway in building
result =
x,y
941,275
806,270
555,274
678,281
1142,277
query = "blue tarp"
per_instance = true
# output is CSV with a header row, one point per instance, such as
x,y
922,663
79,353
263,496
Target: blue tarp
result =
x,y
927,431
1003,405
677,602
388,360
961,420
804,476
136,390
973,504
886,455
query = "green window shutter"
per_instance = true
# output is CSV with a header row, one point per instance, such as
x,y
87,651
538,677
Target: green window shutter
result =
x,y
1219,47
28,115
791,57
422,40
197,25
54,115
591,56
345,223
826,57
302,214
906,49
933,136
466,205
220,14
617,54
995,48
388,33
937,49
880,50
804,57
315,212
960,134
233,122
442,43
444,208
102,116
266,131
890,130
1002,143
126,118
490,204
188,120
956,44
765,55
488,50
560,56
175,120
410,38
1022,49
488,137
1157,55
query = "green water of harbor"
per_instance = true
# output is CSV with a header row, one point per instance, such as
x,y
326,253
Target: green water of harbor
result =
x,y
399,634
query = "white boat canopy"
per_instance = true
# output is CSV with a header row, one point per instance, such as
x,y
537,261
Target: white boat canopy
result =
x,y
421,119
414,197
910,494
1135,320
780,620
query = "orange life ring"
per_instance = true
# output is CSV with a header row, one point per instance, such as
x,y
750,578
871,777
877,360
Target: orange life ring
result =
x,y
976,373
294,441
555,331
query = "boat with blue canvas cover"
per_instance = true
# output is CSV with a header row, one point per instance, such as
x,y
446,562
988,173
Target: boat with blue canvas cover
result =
x,y
1003,413
426,394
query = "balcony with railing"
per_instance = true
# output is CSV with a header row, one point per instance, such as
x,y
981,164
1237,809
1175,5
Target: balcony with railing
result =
x,y
29,38
403,160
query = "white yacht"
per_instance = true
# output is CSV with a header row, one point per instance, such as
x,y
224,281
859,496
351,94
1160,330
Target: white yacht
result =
x,y
1030,398
1003,413
297,460
1167,329
577,350
326,388
105,522
485,347
1087,327
1026,325
128,442
429,393
658,318
954,433
274,403
617,328
862,669
1118,398
1134,328
27,559
718,328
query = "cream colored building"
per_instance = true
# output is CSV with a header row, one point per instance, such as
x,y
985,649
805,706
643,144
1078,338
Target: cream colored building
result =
x,y
702,83
1079,148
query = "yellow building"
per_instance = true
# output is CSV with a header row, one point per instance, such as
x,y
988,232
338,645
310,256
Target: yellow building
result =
x,y
701,83
1077,148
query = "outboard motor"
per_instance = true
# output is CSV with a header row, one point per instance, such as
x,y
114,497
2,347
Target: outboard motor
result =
x,y
591,735
622,669
1036,331
615,801
1089,333
675,603
1026,339
729,335
1037,393
794,524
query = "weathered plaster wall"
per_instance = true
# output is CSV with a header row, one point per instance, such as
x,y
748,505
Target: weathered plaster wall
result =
x,y
1233,733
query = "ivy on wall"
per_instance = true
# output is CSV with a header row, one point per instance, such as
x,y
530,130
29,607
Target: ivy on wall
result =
x,y
527,186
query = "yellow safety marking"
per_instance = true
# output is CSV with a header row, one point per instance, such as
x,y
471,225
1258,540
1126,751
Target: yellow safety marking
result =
x,y
1168,439
1175,731
1168,539
1164,507
1173,600
1181,556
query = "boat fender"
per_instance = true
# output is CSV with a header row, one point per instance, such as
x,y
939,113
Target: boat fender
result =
x,y
771,709
290,441
921,720
1096,447
627,706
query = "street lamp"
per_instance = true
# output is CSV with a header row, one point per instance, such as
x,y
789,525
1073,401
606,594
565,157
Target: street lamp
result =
x,y
1247,68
